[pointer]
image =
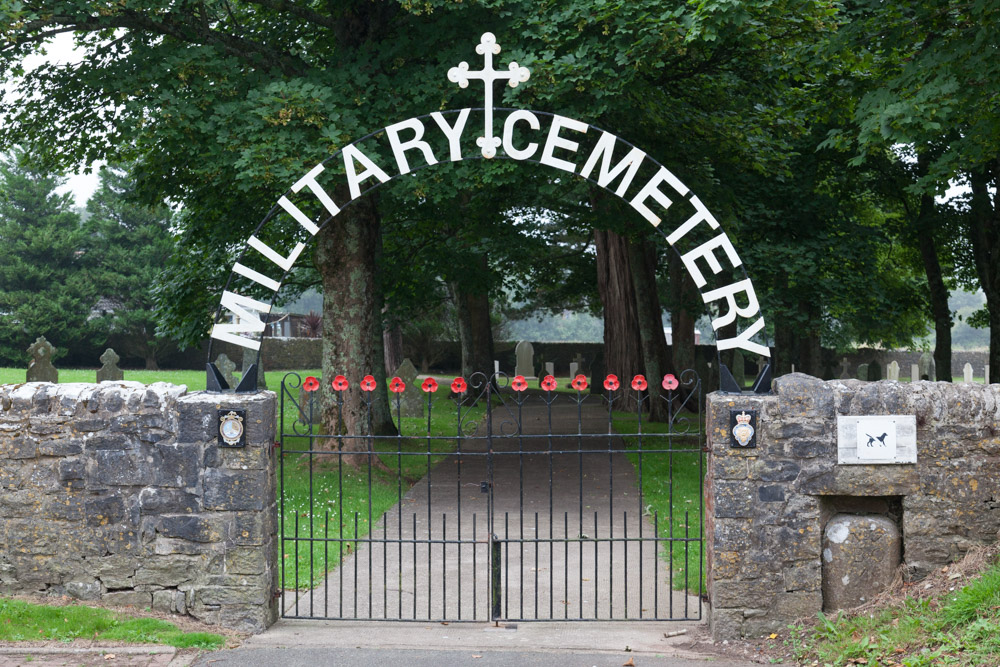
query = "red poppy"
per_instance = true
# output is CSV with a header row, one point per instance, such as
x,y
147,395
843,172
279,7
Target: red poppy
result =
x,y
310,384
459,386
339,383
549,383
580,382
611,382
429,385
670,382
638,383
396,386
519,383
368,383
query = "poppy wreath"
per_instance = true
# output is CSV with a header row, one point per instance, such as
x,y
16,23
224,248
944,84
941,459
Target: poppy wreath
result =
x,y
397,386
611,382
519,383
579,382
368,383
339,383
459,386
639,383
670,382
549,383
310,384
430,385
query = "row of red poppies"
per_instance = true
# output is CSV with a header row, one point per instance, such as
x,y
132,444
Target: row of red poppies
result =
x,y
460,386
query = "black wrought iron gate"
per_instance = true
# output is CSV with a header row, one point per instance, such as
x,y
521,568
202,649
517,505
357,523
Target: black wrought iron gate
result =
x,y
495,501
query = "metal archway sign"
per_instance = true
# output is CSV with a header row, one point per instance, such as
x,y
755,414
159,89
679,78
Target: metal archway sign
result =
x,y
568,145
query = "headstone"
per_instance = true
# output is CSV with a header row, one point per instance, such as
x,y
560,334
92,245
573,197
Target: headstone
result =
x,y
578,360
411,403
227,367
967,373
892,371
793,368
860,558
986,373
739,369
550,368
40,368
874,372
862,371
927,370
845,369
496,367
250,357
574,368
109,371
914,372
525,355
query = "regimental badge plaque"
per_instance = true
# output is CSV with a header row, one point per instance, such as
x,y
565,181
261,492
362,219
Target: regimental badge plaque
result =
x,y
743,429
232,428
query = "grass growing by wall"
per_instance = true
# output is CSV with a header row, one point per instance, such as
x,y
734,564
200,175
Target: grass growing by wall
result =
x,y
671,492
23,621
957,627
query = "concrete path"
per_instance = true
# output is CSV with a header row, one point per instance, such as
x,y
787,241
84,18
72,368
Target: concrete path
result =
x,y
312,643
581,544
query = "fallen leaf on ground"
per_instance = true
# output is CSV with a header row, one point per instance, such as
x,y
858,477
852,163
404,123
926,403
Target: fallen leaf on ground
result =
x,y
109,656
630,663
477,656
773,635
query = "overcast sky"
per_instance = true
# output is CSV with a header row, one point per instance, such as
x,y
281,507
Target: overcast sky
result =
x,y
61,50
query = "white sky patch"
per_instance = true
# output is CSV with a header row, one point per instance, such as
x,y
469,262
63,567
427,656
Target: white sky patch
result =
x,y
61,50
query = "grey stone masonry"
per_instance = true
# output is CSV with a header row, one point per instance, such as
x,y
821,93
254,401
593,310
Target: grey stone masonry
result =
x,y
767,507
119,492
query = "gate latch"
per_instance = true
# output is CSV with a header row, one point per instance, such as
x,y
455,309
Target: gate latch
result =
x,y
484,487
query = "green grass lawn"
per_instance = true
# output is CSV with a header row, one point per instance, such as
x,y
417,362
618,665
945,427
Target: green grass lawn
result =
x,y
23,621
671,492
956,628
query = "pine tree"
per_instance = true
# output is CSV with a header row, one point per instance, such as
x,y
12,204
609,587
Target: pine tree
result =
x,y
43,289
128,246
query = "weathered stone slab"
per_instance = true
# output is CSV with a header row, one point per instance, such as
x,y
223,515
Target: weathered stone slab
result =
x,y
411,400
525,356
860,557
109,371
40,368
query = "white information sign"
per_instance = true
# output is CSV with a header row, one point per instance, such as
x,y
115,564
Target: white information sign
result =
x,y
876,439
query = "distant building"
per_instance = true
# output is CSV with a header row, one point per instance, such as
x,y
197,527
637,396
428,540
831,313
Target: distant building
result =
x,y
670,336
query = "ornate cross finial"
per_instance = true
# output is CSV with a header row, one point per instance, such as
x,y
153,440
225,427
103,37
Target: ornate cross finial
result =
x,y
488,47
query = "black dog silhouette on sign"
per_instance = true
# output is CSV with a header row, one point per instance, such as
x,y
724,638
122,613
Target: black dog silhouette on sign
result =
x,y
881,439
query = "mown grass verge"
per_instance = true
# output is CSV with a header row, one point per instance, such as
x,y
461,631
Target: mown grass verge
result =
x,y
25,621
671,484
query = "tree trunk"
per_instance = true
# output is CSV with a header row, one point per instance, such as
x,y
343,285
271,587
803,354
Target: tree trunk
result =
x,y
655,355
622,344
392,338
150,358
985,233
784,337
809,342
347,253
685,307
474,326
940,310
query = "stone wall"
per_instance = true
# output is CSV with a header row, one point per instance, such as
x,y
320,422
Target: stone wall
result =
x,y
766,507
118,492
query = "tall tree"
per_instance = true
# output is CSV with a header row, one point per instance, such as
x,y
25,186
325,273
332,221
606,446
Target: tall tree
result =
x,y
127,248
45,288
926,73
